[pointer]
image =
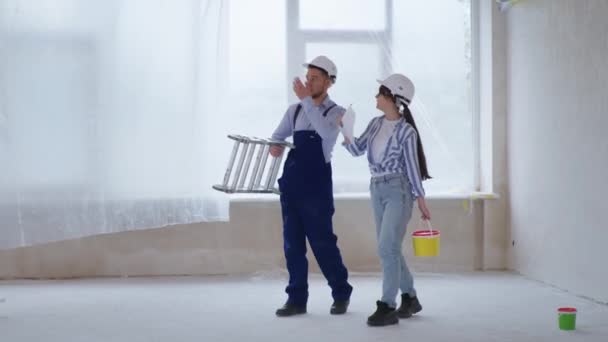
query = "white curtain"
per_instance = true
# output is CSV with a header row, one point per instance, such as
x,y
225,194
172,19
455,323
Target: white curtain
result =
x,y
104,107
114,113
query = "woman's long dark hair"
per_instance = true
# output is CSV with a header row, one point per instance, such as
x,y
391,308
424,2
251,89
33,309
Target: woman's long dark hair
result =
x,y
407,114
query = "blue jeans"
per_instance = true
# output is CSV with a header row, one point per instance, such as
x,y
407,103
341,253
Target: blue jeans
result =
x,y
392,201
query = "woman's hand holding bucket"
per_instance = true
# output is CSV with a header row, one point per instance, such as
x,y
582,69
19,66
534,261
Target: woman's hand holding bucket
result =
x,y
426,213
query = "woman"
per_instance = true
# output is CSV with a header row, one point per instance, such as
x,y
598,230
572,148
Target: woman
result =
x,y
398,167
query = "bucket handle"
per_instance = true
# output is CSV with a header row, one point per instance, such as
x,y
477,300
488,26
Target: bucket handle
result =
x,y
428,224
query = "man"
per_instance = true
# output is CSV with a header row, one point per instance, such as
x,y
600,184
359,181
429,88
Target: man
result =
x,y
307,203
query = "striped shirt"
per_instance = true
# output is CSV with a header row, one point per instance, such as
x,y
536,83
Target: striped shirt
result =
x,y
400,153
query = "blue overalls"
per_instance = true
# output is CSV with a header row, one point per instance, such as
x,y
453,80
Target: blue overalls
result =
x,y
307,206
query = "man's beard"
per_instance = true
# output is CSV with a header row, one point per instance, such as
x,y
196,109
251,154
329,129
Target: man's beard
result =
x,y
317,95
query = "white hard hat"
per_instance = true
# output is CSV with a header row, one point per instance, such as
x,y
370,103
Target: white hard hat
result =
x,y
401,86
324,63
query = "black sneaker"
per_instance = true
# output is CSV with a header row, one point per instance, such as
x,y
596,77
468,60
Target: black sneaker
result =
x,y
384,315
291,309
409,306
339,307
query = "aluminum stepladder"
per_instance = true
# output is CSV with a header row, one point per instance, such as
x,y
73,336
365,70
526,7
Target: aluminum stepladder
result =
x,y
243,181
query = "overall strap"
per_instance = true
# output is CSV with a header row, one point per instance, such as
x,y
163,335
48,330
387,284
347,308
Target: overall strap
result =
x,y
299,108
295,116
328,109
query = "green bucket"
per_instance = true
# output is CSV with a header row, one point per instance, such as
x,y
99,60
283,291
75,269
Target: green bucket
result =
x,y
567,318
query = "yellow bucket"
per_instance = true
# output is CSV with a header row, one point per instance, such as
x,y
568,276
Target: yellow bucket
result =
x,y
426,242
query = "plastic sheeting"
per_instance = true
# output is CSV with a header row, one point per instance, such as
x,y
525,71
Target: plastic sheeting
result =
x,y
114,114
103,117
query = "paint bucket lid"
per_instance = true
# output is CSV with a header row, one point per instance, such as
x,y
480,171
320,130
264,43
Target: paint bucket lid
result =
x,y
566,310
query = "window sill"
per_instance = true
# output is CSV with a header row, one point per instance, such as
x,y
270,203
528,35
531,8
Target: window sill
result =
x,y
473,196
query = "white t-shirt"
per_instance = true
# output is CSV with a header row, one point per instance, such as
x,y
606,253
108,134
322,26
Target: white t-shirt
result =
x,y
381,139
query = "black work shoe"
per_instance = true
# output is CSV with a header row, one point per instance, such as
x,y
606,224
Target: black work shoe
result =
x,y
339,307
409,306
291,309
384,315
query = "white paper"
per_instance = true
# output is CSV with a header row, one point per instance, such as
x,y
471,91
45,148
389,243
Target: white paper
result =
x,y
348,124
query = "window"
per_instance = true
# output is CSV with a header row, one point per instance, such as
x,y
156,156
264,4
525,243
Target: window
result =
x,y
428,40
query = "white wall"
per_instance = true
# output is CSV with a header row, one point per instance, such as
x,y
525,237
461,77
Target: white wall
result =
x,y
250,242
492,133
558,149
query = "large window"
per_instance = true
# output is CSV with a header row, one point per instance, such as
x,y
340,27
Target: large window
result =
x,y
428,40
